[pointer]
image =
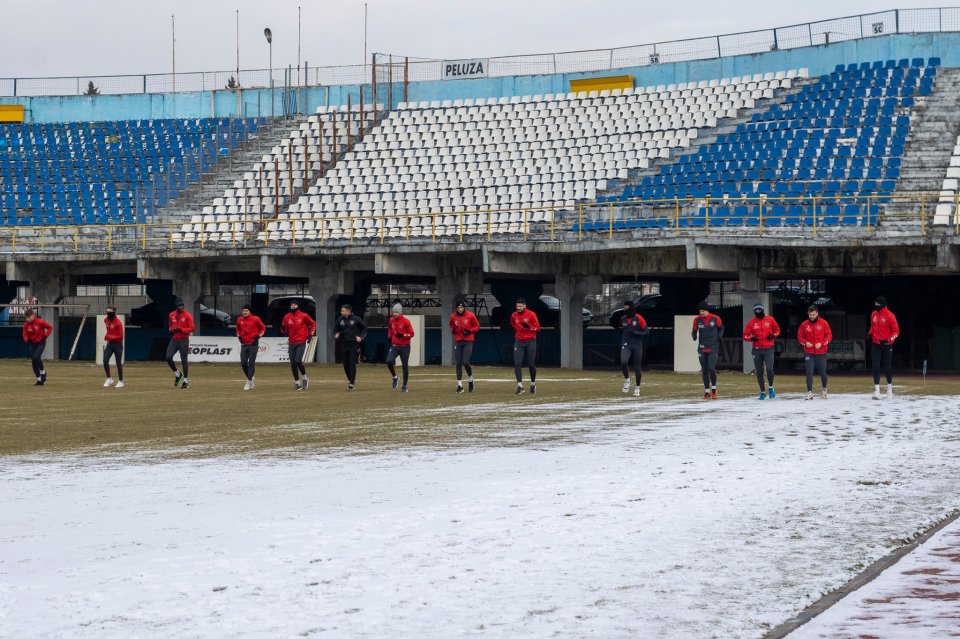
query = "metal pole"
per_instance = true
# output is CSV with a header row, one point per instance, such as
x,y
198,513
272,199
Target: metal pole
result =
x,y
373,87
406,78
173,49
238,49
272,100
360,137
298,47
349,121
390,83
276,186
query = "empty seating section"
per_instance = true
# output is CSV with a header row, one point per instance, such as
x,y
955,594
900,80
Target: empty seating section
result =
x,y
831,151
105,172
496,165
280,176
947,210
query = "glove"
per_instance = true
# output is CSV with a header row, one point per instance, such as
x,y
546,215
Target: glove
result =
x,y
754,339
465,333
240,339
887,342
256,341
525,324
771,336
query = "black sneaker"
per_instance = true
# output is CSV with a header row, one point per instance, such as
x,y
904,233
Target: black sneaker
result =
x,y
350,387
459,388
304,383
39,382
533,389
177,378
185,385
43,377
520,390
470,386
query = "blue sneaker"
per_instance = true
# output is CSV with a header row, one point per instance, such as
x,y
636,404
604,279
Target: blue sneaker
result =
x,y
773,393
403,389
395,381
762,396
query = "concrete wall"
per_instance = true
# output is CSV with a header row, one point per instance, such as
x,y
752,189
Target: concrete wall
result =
x,y
819,59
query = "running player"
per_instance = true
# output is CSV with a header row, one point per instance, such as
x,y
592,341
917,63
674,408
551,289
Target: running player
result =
x,y
299,328
399,333
35,333
350,331
815,335
708,330
250,329
525,328
464,326
634,329
762,331
180,326
883,330
113,346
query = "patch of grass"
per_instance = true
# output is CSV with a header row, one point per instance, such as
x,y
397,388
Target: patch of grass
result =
x,y
215,416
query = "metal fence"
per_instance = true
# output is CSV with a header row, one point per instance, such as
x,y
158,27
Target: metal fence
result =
x,y
870,25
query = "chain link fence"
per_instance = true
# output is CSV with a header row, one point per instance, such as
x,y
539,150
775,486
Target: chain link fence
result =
x,y
934,20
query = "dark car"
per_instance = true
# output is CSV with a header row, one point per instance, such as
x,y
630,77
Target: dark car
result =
x,y
547,309
647,306
280,306
152,316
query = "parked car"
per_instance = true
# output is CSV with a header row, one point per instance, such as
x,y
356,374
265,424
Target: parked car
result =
x,y
280,306
647,306
547,308
152,316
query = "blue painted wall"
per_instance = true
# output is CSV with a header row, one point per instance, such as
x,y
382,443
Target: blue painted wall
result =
x,y
819,59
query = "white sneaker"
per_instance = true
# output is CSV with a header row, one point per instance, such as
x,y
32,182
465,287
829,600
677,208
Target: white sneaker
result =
x,y
823,393
810,395
108,383
876,394
247,386
889,391
120,384
636,392
253,383
626,386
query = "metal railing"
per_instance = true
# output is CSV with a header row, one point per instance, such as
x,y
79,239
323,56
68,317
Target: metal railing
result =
x,y
786,217
869,25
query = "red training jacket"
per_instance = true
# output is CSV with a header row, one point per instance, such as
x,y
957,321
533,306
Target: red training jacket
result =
x,y
883,326
114,330
464,327
525,334
816,333
399,330
760,328
181,324
250,328
36,331
299,326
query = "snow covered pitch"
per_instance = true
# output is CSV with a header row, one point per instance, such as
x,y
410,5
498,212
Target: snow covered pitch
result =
x,y
606,517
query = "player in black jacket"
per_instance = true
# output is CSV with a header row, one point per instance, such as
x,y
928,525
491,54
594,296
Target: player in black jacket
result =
x,y
708,331
634,329
350,332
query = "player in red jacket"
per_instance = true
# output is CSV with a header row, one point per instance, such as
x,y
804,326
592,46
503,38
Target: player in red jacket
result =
x,y
762,331
815,336
180,327
299,327
464,326
399,334
250,329
525,328
883,331
35,334
113,346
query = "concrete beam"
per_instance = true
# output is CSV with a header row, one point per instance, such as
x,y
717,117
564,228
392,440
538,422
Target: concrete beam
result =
x,y
455,279
948,258
853,261
422,264
712,259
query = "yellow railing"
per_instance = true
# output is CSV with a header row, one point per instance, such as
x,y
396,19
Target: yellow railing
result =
x,y
808,216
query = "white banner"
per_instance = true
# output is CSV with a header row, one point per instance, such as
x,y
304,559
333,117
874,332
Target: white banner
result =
x,y
227,349
465,69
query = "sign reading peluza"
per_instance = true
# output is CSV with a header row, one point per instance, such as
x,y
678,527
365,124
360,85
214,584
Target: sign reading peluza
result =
x,y
465,69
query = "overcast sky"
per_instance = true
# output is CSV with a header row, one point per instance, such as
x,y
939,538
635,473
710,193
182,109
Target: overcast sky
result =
x,y
100,37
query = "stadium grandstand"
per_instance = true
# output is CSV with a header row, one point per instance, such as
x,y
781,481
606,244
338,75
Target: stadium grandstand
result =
x,y
711,160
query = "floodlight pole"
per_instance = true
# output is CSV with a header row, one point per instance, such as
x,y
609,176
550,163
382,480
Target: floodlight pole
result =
x,y
269,36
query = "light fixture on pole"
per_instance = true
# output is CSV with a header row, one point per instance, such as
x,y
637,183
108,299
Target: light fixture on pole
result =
x,y
268,34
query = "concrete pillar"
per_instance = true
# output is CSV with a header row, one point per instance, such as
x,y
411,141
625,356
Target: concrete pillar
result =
x,y
190,288
751,292
49,283
326,285
453,282
571,291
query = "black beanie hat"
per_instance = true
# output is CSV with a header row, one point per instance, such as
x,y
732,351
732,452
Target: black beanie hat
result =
x,y
178,302
881,301
628,303
703,306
